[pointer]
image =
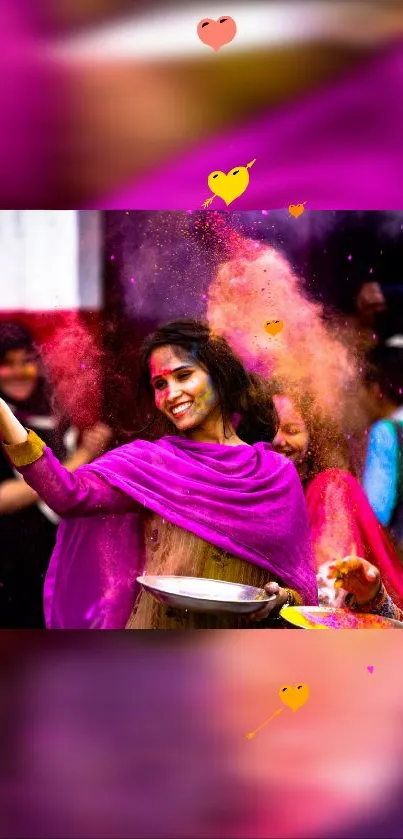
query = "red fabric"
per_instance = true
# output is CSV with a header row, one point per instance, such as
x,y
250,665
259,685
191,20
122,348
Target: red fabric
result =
x,y
342,521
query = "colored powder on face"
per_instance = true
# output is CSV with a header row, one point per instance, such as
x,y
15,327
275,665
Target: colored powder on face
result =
x,y
207,399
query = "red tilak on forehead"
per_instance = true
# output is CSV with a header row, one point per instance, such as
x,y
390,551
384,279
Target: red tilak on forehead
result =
x,y
166,371
165,361
161,360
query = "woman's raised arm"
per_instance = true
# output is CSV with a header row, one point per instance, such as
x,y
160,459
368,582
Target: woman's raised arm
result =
x,y
66,493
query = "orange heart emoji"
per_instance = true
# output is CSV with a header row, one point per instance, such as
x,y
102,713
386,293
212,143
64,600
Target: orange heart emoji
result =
x,y
296,209
294,697
273,327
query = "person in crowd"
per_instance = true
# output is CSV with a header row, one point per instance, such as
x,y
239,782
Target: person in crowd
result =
x,y
27,525
369,301
202,500
358,328
360,323
383,473
342,523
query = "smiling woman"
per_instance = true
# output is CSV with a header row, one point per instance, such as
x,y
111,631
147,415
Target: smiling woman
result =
x,y
186,501
343,525
184,391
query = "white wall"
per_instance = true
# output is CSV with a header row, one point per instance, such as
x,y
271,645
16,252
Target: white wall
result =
x,y
49,260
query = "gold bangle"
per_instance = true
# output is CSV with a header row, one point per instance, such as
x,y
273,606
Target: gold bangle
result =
x,y
23,454
295,597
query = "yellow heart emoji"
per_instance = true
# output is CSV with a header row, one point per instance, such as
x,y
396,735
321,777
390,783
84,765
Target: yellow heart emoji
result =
x,y
230,186
296,209
294,697
273,327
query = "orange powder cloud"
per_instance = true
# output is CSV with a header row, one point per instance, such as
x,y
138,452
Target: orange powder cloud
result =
x,y
252,289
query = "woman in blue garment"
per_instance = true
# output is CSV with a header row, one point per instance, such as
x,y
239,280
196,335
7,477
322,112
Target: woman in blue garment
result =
x,y
383,473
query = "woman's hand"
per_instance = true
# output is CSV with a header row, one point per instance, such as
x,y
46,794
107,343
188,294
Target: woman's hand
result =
x,y
356,576
11,430
275,604
95,440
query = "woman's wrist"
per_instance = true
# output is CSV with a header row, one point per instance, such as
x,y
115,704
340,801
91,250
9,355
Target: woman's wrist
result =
x,y
286,599
27,452
11,430
368,600
289,599
372,605
382,605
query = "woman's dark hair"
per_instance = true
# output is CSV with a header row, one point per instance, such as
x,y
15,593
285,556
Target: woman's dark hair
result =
x,y
327,444
14,336
244,397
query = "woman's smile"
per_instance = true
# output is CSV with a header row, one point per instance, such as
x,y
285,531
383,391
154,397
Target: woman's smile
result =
x,y
181,409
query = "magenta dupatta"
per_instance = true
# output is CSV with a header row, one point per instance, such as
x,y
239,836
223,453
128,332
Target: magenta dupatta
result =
x,y
245,500
341,520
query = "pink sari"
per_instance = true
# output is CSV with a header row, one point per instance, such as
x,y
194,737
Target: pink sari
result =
x,y
342,522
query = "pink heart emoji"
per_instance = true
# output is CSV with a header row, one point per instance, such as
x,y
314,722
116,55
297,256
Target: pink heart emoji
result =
x,y
216,33
370,668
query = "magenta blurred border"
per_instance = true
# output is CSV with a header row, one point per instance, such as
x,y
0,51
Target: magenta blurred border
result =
x,y
106,735
340,148
26,102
